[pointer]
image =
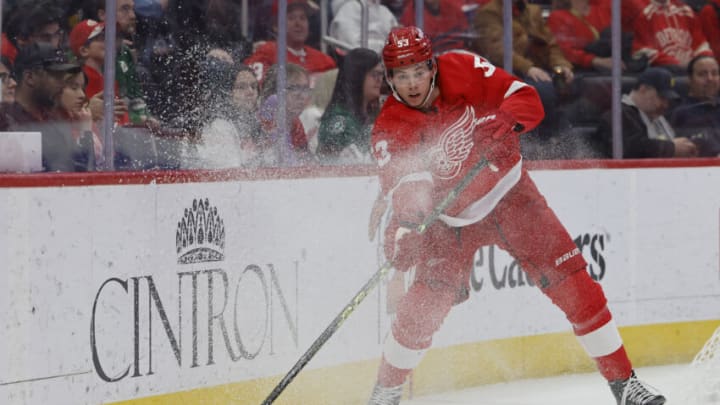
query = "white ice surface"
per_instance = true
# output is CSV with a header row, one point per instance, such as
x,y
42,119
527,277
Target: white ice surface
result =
x,y
575,389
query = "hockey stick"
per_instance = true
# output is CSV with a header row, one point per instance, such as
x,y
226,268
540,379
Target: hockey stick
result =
x,y
369,286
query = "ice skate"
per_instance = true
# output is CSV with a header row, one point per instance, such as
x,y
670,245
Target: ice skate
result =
x,y
385,395
635,392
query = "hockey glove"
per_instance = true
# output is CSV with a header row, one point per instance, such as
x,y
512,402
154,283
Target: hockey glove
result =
x,y
496,124
412,202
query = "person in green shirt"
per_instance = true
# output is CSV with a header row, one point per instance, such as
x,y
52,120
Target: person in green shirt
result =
x,y
344,134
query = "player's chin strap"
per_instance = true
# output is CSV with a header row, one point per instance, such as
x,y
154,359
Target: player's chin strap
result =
x,y
400,99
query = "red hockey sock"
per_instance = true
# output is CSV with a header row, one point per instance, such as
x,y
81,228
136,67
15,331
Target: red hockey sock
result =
x,y
615,366
584,303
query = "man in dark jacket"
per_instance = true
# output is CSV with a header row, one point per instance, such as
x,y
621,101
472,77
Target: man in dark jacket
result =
x,y
646,132
698,117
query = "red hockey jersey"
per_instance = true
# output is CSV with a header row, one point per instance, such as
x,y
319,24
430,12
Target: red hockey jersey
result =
x,y
310,58
443,142
573,32
669,33
710,21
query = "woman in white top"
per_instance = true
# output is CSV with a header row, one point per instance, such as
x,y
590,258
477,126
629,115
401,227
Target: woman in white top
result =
x,y
346,24
230,135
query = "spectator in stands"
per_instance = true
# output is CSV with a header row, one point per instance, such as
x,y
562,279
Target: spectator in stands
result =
x,y
126,73
72,107
395,6
7,81
93,10
245,99
535,51
536,58
231,133
319,100
224,30
298,52
40,71
698,117
668,33
264,27
346,25
151,8
285,148
582,30
32,21
344,135
710,21
443,21
87,42
128,87
577,24
211,97
646,132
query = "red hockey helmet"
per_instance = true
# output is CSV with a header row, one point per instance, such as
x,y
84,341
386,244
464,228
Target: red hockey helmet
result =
x,y
406,46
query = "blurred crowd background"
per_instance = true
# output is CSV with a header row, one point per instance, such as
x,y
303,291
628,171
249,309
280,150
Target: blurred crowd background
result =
x,y
197,84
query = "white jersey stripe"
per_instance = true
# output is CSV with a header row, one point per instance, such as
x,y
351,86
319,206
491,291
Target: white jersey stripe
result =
x,y
400,356
514,86
602,341
482,207
417,176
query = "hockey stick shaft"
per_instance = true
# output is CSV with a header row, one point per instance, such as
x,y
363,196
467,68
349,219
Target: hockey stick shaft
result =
x,y
369,286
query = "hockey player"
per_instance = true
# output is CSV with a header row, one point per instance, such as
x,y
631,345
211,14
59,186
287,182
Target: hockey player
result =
x,y
447,113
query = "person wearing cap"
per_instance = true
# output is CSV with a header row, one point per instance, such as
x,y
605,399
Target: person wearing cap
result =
x,y
40,70
127,83
646,132
698,117
87,42
298,52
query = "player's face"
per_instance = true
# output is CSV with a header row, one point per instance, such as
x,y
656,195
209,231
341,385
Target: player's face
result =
x,y
412,83
705,79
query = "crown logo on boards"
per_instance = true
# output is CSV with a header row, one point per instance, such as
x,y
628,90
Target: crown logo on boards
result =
x,y
200,234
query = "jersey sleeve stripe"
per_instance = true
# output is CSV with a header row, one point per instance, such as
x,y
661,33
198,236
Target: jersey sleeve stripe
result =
x,y
514,87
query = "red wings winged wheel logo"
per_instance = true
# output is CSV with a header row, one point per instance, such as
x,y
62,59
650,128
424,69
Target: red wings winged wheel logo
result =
x,y
455,144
